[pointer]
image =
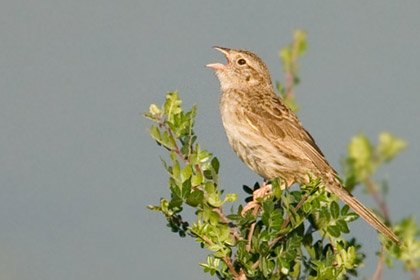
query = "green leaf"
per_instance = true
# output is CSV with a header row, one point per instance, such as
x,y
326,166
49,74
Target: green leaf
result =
x,y
214,200
175,202
350,217
360,151
154,208
286,57
167,140
155,133
276,188
209,187
154,110
299,37
176,170
203,156
231,197
335,210
334,231
342,225
215,163
186,189
390,146
197,179
186,173
171,106
345,210
284,266
195,198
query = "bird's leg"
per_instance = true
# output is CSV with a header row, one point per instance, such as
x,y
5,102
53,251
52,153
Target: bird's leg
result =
x,y
262,192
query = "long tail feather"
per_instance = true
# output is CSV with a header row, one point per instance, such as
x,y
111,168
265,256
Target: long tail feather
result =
x,y
363,212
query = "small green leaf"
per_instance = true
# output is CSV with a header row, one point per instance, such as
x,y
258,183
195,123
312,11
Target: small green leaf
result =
x,y
350,217
195,198
286,57
154,110
284,266
155,133
335,210
342,225
360,151
215,247
175,202
214,200
333,231
209,187
186,189
345,210
171,106
186,173
197,179
231,197
154,208
299,38
390,146
215,163
167,140
176,170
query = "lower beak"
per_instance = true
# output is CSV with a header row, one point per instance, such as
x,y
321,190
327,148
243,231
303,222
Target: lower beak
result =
x,y
216,65
219,66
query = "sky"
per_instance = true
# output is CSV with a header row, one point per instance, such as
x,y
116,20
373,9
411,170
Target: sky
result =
x,y
77,167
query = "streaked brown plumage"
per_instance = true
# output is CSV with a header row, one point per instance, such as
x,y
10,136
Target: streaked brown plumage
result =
x,y
268,136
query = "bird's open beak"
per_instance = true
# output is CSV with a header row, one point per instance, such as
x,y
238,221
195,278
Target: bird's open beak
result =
x,y
217,66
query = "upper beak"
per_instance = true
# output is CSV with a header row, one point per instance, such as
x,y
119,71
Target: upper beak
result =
x,y
216,66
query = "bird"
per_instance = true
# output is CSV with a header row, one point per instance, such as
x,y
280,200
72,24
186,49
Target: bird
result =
x,y
267,135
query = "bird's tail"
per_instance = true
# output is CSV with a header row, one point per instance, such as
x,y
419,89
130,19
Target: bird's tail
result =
x,y
365,213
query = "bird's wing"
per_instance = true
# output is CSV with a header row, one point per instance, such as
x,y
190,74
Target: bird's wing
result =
x,y
277,123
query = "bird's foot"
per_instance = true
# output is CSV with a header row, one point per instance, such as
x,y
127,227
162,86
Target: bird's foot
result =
x,y
255,204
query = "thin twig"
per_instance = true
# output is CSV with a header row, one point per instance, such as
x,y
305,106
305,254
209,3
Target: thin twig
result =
x,y
378,273
287,220
416,275
228,262
285,223
383,208
251,232
176,148
290,75
222,215
251,229
224,219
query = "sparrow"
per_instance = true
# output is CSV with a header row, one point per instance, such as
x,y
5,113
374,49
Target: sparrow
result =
x,y
267,135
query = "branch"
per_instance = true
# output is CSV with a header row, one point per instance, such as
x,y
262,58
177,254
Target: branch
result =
x,y
290,75
285,223
176,149
383,208
224,219
378,273
287,220
228,262
416,276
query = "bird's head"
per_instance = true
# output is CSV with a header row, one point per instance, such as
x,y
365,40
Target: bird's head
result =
x,y
242,70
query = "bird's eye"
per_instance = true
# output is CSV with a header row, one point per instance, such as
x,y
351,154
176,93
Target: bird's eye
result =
x,y
241,61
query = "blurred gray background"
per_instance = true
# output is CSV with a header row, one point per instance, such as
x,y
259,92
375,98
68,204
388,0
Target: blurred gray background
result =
x,y
77,167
